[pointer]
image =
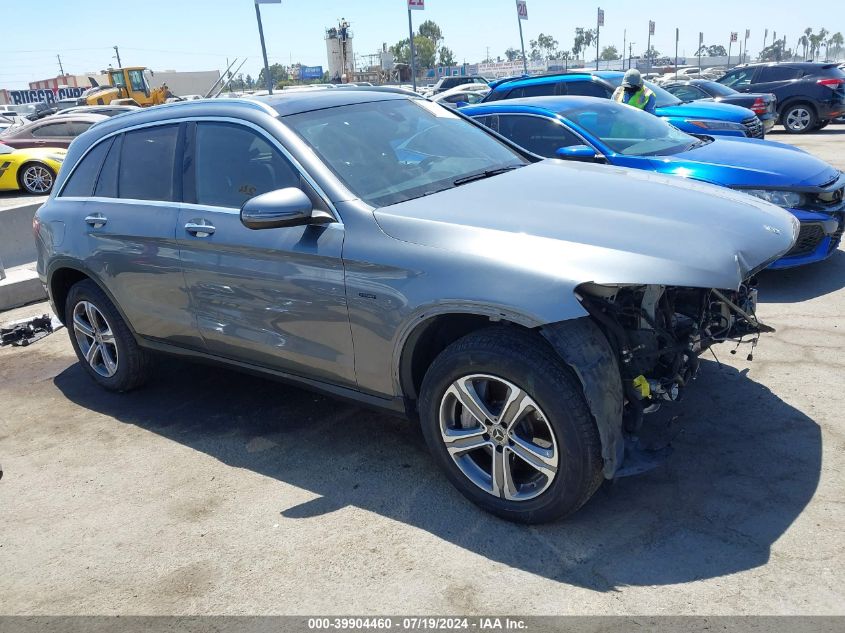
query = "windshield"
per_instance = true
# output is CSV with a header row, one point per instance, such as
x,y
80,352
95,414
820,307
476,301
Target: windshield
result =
x,y
391,151
629,131
718,90
664,97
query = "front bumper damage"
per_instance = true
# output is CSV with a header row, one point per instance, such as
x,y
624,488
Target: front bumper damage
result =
x,y
639,348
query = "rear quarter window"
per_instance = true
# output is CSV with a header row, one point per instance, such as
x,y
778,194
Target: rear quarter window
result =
x,y
84,177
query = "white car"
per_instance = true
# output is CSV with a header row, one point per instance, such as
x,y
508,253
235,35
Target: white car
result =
x,y
453,98
462,88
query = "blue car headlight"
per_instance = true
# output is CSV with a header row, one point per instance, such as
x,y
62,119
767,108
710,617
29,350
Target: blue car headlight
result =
x,y
788,199
708,124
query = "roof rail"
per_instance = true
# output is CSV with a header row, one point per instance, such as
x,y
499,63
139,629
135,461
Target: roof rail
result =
x,y
250,103
499,82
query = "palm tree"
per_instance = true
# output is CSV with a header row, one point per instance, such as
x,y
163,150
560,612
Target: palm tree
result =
x,y
808,32
837,41
821,40
804,43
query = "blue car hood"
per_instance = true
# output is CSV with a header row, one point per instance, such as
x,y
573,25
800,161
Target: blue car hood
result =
x,y
740,162
706,110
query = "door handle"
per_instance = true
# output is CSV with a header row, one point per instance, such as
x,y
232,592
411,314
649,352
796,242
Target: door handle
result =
x,y
200,228
96,220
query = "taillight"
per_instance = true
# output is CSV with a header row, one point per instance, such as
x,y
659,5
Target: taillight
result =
x,y
833,84
759,106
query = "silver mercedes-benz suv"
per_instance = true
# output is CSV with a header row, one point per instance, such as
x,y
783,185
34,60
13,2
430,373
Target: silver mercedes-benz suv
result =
x,y
380,247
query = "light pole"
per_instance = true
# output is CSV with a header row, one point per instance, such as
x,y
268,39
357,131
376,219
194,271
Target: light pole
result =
x,y
522,14
413,51
677,37
700,45
648,47
599,24
263,47
624,45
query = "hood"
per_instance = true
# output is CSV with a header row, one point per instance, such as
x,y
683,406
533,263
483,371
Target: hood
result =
x,y
584,222
706,110
745,162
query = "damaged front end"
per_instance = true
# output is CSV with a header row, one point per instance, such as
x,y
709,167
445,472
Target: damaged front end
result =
x,y
657,334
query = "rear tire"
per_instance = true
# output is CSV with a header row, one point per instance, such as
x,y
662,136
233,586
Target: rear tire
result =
x,y
549,422
102,341
798,118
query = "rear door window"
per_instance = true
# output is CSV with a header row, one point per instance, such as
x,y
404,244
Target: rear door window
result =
x,y
107,181
51,130
779,73
586,88
535,90
147,160
84,177
235,163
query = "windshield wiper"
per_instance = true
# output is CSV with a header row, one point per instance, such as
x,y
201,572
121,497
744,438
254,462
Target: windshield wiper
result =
x,y
482,175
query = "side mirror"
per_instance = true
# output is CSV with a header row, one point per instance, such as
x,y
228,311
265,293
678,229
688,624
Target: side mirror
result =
x,y
583,153
279,208
461,104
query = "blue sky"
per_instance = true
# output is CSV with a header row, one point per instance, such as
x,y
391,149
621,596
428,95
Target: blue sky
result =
x,y
200,35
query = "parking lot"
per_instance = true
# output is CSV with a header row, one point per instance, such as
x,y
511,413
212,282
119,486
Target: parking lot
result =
x,y
210,491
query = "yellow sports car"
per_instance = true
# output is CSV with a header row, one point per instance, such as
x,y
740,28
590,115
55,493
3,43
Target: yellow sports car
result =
x,y
32,170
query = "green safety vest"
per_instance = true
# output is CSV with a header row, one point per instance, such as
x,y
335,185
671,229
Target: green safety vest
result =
x,y
638,100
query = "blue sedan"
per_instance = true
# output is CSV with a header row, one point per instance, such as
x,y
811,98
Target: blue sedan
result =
x,y
598,130
698,117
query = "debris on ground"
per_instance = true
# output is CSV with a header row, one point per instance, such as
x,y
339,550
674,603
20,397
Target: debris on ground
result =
x,y
27,331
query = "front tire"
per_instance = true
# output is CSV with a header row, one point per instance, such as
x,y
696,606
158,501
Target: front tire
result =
x,y
508,423
798,118
36,179
102,341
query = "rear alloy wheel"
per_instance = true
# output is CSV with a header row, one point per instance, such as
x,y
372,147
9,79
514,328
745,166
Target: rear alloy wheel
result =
x,y
37,179
798,119
508,423
95,339
102,341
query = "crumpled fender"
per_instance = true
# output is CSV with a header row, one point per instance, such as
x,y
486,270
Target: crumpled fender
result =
x,y
584,348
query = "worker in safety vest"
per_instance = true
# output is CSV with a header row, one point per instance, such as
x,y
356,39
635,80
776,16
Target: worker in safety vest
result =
x,y
634,92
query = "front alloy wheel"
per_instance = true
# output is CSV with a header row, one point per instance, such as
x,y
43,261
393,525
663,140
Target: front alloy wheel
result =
x,y
498,437
507,422
37,179
95,339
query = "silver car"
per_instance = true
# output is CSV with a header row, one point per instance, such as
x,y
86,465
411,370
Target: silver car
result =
x,y
383,248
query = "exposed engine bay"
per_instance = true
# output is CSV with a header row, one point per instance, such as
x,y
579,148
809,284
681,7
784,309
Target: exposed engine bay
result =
x,y
659,332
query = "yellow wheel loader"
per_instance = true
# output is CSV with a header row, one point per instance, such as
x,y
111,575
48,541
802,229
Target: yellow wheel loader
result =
x,y
127,86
